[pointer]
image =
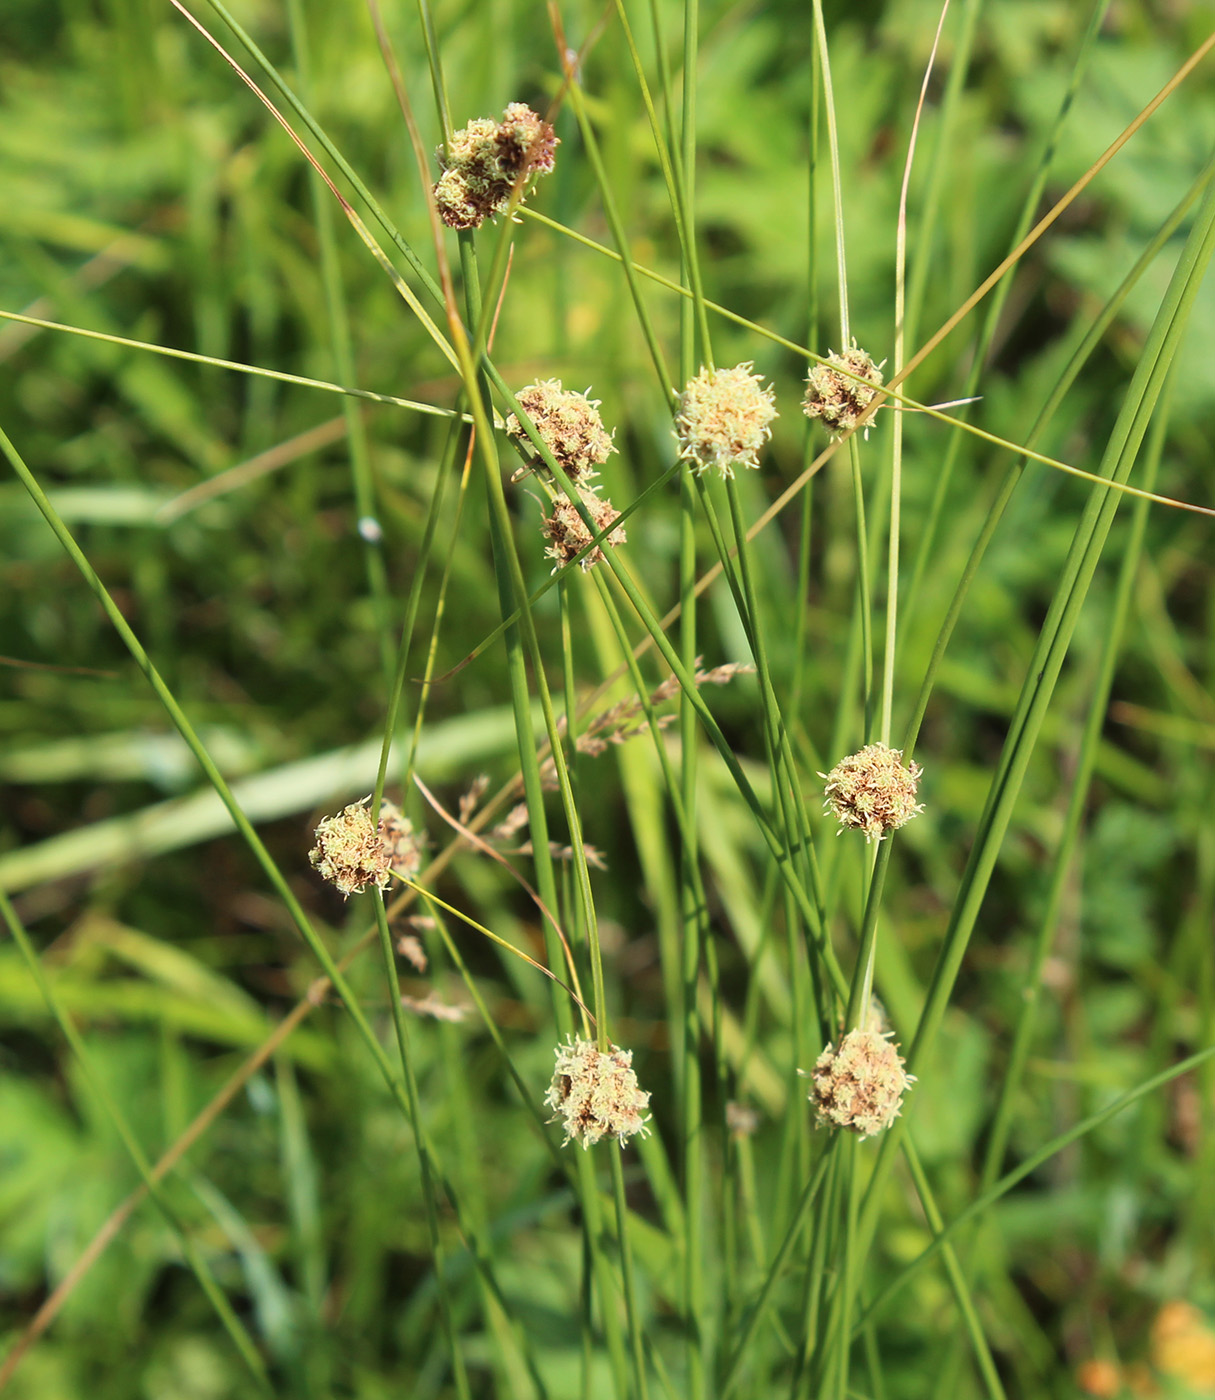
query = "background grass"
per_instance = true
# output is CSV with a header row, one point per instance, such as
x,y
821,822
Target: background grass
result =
x,y
148,195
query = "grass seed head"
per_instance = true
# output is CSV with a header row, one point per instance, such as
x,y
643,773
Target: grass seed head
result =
x,y
350,851
570,426
873,791
595,1094
723,419
567,532
836,398
859,1084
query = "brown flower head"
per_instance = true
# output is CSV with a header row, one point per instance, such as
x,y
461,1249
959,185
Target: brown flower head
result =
x,y
595,1093
859,1084
525,142
460,205
839,399
569,425
483,161
350,852
403,843
873,791
723,418
568,534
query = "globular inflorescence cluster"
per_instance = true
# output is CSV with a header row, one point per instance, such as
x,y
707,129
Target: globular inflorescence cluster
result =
x,y
859,1083
569,426
567,534
595,1094
485,161
873,791
723,419
353,851
839,391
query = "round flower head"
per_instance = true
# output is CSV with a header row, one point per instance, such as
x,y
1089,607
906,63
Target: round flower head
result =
x,y
839,399
403,844
568,534
569,425
873,791
859,1084
483,160
525,142
723,418
458,204
350,851
594,1093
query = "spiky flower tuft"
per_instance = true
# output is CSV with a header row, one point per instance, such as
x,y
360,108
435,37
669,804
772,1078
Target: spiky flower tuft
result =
x,y
873,791
840,399
566,530
525,142
350,851
723,419
595,1094
483,161
569,426
859,1084
459,204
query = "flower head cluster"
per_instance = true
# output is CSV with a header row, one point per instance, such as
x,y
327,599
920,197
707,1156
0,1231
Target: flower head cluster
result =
x,y
595,1093
569,426
350,852
566,530
840,399
723,418
859,1083
483,162
873,791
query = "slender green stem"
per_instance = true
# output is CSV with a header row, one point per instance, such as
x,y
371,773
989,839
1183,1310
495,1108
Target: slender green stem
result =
x,y
1055,637
429,1198
631,1306
776,1269
341,345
